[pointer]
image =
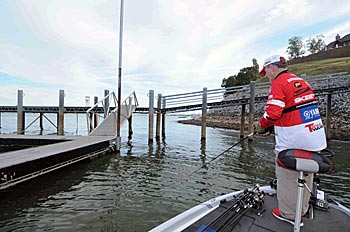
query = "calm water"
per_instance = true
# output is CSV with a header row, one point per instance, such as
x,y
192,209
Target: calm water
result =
x,y
144,186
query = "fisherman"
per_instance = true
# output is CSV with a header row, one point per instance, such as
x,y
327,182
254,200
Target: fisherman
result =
x,y
293,111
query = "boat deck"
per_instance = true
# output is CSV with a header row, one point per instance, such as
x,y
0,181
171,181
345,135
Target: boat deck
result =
x,y
232,212
331,220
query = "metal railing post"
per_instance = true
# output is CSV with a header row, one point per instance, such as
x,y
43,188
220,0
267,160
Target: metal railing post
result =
x,y
60,121
251,109
41,125
106,104
328,110
20,113
96,113
130,132
204,114
163,118
150,116
159,107
242,121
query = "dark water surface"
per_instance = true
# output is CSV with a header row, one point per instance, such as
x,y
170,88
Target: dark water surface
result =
x,y
144,186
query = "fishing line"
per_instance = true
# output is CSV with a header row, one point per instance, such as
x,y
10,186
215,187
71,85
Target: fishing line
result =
x,y
223,152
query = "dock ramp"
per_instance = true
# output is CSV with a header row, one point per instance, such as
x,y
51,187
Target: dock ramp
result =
x,y
108,126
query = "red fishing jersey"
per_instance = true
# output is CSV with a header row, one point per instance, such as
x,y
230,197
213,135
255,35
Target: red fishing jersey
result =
x,y
293,110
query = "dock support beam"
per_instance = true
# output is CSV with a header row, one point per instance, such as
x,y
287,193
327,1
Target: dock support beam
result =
x,y
60,119
96,114
20,113
251,109
150,116
130,122
328,116
242,121
159,111
130,132
163,119
106,104
41,125
204,115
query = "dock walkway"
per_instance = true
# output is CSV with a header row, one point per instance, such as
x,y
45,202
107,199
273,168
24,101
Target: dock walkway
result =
x,y
47,153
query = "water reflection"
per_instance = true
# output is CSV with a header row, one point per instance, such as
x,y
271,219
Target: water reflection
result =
x,y
144,185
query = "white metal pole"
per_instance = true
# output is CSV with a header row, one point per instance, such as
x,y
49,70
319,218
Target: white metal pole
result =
x,y
120,74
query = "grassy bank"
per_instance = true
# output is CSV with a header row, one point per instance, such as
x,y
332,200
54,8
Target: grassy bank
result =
x,y
318,67
321,66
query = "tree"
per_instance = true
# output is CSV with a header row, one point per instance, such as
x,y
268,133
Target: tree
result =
x,y
244,76
295,48
229,82
315,45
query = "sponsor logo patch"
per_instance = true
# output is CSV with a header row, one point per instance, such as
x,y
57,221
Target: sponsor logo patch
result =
x,y
297,85
309,114
314,127
304,98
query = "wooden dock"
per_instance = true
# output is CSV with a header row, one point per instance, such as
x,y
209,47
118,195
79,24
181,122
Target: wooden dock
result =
x,y
44,154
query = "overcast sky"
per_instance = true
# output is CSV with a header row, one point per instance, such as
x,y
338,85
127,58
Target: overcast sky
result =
x,y
169,46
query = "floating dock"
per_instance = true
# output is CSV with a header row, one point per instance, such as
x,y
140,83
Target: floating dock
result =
x,y
37,155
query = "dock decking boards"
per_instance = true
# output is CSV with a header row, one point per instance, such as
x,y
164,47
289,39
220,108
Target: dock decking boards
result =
x,y
20,165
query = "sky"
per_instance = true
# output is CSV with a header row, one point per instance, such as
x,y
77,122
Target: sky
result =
x,y
169,46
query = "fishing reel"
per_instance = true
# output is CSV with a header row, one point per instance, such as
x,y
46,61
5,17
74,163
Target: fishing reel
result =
x,y
255,199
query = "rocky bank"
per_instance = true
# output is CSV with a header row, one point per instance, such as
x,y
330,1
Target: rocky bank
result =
x,y
229,117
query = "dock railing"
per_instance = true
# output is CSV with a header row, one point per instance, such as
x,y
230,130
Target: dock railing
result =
x,y
92,116
255,92
107,127
193,100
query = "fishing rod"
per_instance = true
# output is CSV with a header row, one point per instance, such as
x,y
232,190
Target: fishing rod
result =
x,y
235,209
223,152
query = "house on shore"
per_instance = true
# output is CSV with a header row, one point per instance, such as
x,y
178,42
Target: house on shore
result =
x,y
339,42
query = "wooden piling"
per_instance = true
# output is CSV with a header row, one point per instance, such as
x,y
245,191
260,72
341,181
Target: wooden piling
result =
x,y
20,113
328,116
60,118
251,110
95,114
204,114
242,121
159,106
163,119
150,116
130,132
41,125
106,104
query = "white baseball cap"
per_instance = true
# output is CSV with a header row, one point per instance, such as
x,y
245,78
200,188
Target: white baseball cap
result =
x,y
271,60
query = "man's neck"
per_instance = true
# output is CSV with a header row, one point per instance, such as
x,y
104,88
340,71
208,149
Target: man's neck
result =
x,y
284,70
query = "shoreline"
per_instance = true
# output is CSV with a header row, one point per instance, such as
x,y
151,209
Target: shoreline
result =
x,y
225,122
234,123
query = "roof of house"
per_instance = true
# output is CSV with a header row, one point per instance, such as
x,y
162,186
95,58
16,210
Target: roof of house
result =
x,y
346,38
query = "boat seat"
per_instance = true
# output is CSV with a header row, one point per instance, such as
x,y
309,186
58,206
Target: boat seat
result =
x,y
305,161
302,161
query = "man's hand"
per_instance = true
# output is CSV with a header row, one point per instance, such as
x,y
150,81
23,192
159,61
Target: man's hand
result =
x,y
258,128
